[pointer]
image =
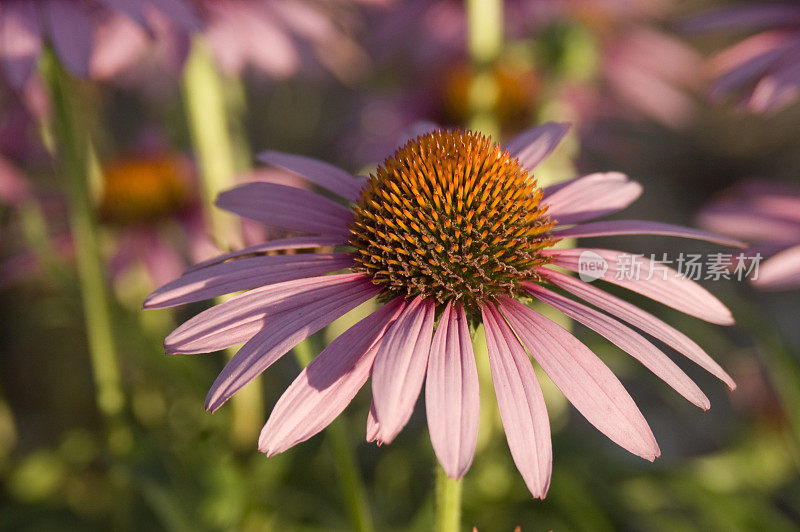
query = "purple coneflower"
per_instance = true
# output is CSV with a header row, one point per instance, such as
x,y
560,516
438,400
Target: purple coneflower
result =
x,y
764,69
447,233
25,25
768,214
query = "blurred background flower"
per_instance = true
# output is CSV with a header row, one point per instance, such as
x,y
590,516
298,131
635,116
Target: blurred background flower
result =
x,y
767,214
762,72
26,26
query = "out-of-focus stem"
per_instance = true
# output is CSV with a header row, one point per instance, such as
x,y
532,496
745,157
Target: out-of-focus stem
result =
x,y
484,45
448,502
210,124
349,475
34,229
210,128
73,150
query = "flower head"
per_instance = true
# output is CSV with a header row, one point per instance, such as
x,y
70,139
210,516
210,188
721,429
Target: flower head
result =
x,y
767,214
449,232
449,217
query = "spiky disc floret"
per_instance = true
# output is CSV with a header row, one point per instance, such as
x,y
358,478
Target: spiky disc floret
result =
x,y
453,217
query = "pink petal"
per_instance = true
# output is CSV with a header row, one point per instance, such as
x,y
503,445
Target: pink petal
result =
x,y
640,319
239,318
20,40
278,336
780,271
301,242
521,403
244,274
636,227
320,173
133,8
180,13
626,339
14,188
71,33
327,385
646,90
777,89
119,43
586,382
590,196
399,368
746,72
533,145
287,207
748,223
677,292
373,427
744,17
162,261
452,400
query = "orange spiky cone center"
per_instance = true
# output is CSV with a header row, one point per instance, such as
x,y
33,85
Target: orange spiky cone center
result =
x,y
451,216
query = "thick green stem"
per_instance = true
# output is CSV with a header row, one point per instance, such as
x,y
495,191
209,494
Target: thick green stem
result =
x,y
353,488
484,44
448,502
74,149
210,120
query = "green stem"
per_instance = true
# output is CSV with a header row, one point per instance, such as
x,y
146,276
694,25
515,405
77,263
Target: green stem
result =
x,y
448,502
37,238
484,45
74,150
355,493
210,121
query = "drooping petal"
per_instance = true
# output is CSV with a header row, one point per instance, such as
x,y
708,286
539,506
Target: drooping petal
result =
x,y
399,368
20,40
521,403
743,70
320,173
675,291
238,319
180,13
283,244
133,8
71,32
327,385
244,274
749,223
586,382
626,339
373,427
776,90
744,17
780,271
452,401
280,334
287,207
637,227
642,320
590,196
533,145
